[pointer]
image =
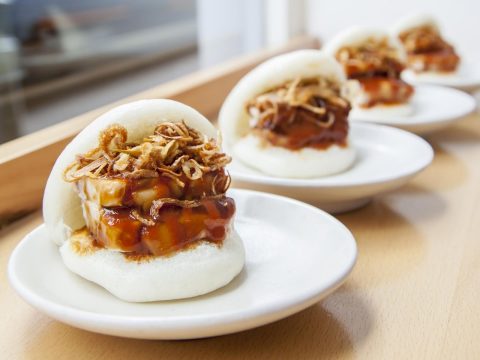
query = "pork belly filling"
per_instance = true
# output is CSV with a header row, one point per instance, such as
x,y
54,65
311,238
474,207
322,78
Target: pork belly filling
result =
x,y
373,69
154,197
373,91
301,113
428,51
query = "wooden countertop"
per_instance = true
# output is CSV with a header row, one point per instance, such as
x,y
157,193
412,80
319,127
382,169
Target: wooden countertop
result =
x,y
414,292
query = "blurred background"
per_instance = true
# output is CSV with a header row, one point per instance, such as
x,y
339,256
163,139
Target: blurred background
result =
x,y
61,58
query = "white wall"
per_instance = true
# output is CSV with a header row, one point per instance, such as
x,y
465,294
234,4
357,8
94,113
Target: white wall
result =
x,y
228,28
459,19
283,19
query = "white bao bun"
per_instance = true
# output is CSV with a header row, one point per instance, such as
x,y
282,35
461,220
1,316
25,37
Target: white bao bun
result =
x,y
62,214
304,163
356,35
413,21
189,273
273,160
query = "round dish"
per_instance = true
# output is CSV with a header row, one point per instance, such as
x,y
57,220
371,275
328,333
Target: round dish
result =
x,y
268,289
466,78
434,107
387,159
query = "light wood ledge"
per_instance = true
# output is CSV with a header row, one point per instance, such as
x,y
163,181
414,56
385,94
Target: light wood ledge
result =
x,y
26,162
414,293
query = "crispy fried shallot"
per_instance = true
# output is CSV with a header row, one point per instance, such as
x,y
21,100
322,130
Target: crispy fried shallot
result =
x,y
173,150
159,203
428,51
313,95
423,39
136,214
372,57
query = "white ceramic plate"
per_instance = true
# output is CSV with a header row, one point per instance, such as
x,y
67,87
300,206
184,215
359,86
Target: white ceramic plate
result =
x,y
467,77
386,159
295,255
434,107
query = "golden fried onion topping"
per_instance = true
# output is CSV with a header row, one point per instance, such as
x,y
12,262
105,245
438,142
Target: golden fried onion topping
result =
x,y
302,93
376,53
174,149
423,39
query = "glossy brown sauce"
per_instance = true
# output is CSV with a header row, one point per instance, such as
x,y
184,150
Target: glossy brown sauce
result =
x,y
387,91
295,128
198,214
442,61
164,187
359,70
174,228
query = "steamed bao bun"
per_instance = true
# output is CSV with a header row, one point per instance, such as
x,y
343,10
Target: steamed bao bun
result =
x,y
415,21
275,160
412,22
356,36
187,273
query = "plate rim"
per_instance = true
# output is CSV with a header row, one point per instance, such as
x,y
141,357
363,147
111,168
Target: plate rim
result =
x,y
410,76
237,320
440,121
320,183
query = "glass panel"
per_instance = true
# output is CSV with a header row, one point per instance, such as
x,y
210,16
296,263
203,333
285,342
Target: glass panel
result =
x,y
61,58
